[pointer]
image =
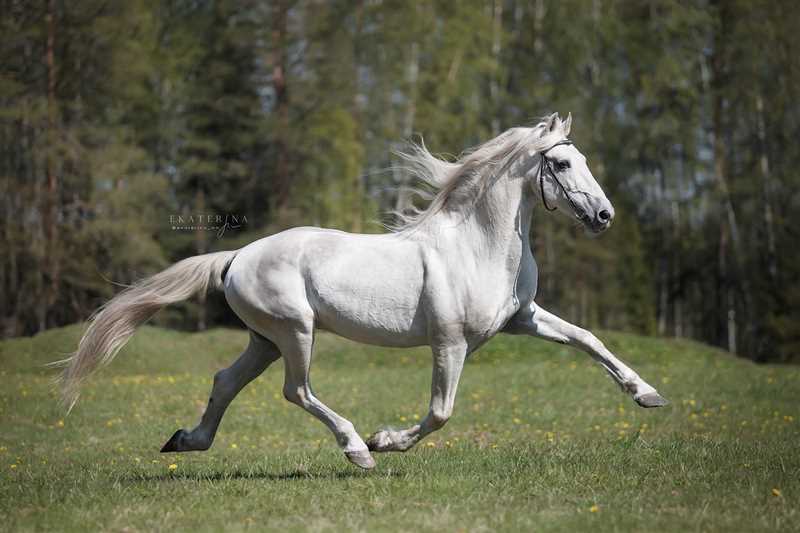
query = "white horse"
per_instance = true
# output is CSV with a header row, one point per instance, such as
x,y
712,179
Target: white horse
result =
x,y
451,277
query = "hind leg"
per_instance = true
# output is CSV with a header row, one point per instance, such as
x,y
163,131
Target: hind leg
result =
x,y
296,346
258,355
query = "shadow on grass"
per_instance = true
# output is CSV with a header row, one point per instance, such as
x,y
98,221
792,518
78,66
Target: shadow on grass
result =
x,y
239,474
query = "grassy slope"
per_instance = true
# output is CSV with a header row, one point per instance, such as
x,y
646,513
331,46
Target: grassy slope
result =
x,y
541,438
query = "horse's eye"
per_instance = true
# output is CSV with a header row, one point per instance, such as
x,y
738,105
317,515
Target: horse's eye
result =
x,y
562,165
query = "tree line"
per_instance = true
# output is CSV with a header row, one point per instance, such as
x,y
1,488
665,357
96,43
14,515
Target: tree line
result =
x,y
116,118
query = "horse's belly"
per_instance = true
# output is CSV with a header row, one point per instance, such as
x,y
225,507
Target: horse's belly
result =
x,y
368,291
371,314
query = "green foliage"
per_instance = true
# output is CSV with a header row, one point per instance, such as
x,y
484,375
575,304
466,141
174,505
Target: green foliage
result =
x,y
288,112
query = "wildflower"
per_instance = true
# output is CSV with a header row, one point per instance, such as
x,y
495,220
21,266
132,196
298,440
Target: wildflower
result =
x,y
173,466
517,421
430,444
594,508
13,466
776,493
234,446
60,423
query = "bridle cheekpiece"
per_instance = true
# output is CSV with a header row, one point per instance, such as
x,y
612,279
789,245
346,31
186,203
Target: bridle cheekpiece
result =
x,y
546,166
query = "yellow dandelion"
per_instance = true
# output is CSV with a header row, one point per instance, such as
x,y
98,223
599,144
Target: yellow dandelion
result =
x,y
430,444
13,466
60,423
594,508
403,419
416,417
234,446
517,421
173,466
776,493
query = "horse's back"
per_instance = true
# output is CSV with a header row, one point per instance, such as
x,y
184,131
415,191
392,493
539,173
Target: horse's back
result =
x,y
364,287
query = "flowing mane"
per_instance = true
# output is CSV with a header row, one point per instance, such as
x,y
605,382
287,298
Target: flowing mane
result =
x,y
459,184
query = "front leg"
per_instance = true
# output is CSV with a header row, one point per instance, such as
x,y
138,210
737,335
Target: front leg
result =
x,y
448,362
538,322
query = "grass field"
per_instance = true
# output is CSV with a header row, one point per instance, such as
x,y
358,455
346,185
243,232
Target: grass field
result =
x,y
541,440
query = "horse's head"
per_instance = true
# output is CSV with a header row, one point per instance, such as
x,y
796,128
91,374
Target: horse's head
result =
x,y
563,180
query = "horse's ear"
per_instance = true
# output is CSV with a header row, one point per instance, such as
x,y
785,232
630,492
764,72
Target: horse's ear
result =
x,y
567,125
553,122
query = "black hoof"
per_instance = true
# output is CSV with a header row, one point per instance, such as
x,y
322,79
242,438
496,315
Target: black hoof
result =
x,y
173,444
652,399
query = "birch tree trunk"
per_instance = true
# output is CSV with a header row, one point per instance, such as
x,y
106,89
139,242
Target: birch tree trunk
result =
x,y
412,77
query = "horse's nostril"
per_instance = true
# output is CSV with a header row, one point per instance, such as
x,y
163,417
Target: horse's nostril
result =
x,y
604,215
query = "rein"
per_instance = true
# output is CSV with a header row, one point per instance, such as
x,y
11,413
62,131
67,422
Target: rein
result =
x,y
545,164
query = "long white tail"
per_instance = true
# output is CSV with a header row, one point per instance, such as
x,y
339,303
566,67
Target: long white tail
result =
x,y
115,322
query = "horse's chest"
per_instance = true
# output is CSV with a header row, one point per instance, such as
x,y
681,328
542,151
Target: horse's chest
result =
x,y
487,313
492,303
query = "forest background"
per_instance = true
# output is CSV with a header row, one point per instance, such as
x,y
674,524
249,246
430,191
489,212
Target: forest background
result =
x,y
121,120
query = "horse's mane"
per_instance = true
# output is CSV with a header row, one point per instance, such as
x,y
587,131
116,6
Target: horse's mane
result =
x,y
457,185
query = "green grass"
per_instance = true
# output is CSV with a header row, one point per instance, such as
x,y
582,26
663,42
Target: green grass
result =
x,y
541,440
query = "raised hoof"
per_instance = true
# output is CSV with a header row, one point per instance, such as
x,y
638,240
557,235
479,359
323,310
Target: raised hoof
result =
x,y
651,399
361,458
374,442
173,444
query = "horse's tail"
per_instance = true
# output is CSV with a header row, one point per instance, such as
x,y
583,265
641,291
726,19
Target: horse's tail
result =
x,y
115,322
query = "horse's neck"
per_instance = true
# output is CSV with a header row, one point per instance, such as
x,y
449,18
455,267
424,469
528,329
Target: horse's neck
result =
x,y
496,231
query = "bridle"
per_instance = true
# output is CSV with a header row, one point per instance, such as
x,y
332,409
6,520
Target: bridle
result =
x,y
546,164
